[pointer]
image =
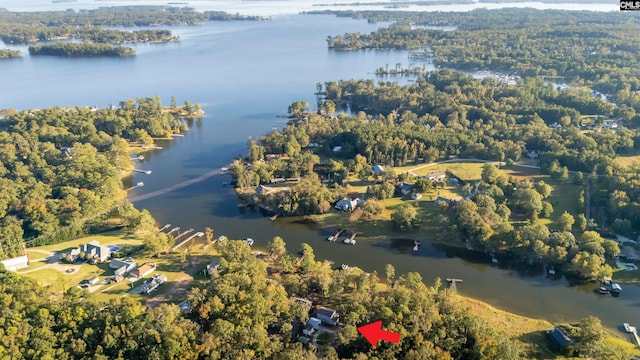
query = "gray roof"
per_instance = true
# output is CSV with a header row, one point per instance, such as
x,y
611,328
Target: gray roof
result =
x,y
560,337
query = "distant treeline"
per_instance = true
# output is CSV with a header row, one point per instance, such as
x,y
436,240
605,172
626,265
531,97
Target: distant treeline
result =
x,y
26,27
8,54
81,50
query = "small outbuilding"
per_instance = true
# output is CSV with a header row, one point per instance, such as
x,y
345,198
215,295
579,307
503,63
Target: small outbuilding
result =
x,y
16,263
561,339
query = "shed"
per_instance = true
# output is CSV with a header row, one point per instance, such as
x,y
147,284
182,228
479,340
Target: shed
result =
x,y
377,169
16,263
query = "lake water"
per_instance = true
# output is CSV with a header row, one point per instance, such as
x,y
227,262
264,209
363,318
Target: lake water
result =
x,y
245,74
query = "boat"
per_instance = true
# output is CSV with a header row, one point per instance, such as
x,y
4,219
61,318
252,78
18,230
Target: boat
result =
x,y
331,238
349,241
616,288
273,217
627,327
603,290
416,245
345,267
249,241
221,238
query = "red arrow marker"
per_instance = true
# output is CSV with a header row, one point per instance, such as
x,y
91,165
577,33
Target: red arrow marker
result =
x,y
373,332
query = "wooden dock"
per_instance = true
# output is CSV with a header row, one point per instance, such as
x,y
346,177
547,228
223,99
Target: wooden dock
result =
x,y
452,283
336,236
177,237
177,228
164,227
177,246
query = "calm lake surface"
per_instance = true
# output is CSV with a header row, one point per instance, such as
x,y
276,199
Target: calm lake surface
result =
x,y
245,74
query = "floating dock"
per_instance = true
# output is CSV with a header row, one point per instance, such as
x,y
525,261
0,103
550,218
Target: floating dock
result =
x,y
177,237
452,283
164,227
335,237
177,228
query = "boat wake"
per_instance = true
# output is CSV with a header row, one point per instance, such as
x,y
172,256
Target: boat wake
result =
x,y
176,186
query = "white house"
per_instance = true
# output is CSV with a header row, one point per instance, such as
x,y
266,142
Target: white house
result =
x,y
348,205
16,263
312,326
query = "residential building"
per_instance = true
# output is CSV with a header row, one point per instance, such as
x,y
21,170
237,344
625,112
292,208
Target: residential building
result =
x,y
348,205
377,169
312,326
405,188
439,176
93,251
416,196
123,265
16,263
153,282
441,199
213,265
144,270
327,316
560,338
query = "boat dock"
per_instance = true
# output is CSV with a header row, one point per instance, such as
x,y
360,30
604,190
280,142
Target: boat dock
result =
x,y
177,237
177,228
198,234
164,227
633,331
351,240
148,172
335,237
452,283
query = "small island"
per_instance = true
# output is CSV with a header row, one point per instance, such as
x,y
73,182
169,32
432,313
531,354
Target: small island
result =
x,y
10,54
81,50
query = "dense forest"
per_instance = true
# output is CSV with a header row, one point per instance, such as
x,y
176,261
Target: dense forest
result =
x,y
9,54
592,48
60,167
87,25
81,50
241,312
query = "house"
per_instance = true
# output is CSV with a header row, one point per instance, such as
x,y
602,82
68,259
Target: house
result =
x,y
94,280
533,154
327,316
337,149
278,180
123,265
405,188
144,270
416,196
93,251
153,282
312,326
185,306
304,340
377,169
348,205
213,265
441,199
560,338
272,157
439,176
16,263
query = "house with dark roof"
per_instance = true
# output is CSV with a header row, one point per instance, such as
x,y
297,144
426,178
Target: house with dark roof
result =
x,y
560,338
441,199
327,316
212,267
404,188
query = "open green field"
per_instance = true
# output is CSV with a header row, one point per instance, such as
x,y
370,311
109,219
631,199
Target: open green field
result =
x,y
467,171
628,160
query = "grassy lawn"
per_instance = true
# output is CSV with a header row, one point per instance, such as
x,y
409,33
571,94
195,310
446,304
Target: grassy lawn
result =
x,y
108,238
529,333
628,160
467,171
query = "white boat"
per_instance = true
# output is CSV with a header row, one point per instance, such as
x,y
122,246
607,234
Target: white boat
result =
x,y
249,241
221,238
331,238
627,328
615,287
349,241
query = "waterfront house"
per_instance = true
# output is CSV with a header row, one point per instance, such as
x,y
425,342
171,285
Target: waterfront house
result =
x,y
144,270
16,263
560,338
327,316
213,265
377,169
348,205
93,251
